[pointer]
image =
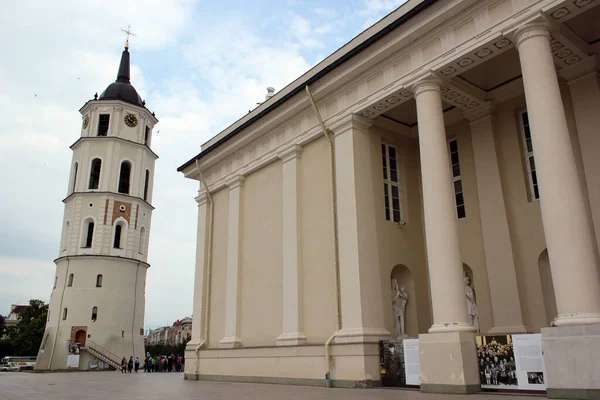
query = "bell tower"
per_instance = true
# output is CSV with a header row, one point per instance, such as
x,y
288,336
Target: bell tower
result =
x,y
97,304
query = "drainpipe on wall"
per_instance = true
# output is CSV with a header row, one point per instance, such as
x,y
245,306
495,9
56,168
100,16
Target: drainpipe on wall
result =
x,y
329,135
208,270
62,296
137,273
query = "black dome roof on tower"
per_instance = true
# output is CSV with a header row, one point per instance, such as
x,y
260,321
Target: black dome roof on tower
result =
x,y
121,89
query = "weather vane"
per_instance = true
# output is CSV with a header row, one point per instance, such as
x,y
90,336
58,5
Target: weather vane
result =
x,y
129,33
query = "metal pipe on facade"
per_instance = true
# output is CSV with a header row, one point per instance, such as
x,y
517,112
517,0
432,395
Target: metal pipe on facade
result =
x,y
208,269
329,136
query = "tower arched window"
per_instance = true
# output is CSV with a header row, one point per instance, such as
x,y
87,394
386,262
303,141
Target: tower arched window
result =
x,y
124,176
142,240
70,283
65,311
99,280
75,167
95,173
88,233
94,313
146,183
118,232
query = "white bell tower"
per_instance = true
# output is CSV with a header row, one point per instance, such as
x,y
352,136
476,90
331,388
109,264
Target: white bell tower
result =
x,y
98,297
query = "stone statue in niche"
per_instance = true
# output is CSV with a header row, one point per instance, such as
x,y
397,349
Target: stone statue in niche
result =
x,y
471,305
399,300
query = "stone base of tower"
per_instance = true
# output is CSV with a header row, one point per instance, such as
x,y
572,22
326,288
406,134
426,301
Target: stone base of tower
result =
x,y
572,359
106,314
449,363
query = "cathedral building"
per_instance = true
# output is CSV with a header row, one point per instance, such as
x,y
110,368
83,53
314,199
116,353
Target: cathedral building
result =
x,y
96,311
447,157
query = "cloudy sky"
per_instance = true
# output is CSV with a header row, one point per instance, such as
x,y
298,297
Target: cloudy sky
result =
x,y
200,65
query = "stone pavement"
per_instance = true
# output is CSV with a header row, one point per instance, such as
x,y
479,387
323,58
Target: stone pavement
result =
x,y
171,386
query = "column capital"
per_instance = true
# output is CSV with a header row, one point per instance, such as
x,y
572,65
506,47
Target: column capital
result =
x,y
202,198
290,153
235,182
426,84
539,27
486,110
352,121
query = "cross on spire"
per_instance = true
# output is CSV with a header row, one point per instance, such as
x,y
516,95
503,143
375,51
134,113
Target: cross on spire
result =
x,y
129,33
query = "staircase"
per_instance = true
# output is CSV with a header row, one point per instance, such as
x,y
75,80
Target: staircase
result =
x,y
102,354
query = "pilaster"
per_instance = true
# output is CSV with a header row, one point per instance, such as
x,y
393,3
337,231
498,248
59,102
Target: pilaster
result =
x,y
199,281
234,259
506,304
360,280
584,85
292,330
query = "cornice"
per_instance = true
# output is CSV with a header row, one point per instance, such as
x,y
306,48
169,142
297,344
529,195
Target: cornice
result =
x,y
291,153
96,256
486,110
107,138
382,74
106,193
108,103
235,182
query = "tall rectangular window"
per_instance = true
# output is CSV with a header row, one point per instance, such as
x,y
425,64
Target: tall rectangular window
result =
x,y
103,124
457,180
534,193
391,183
147,136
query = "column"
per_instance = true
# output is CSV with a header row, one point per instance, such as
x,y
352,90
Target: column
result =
x,y
199,281
448,352
584,85
441,227
292,331
500,264
234,250
360,278
567,223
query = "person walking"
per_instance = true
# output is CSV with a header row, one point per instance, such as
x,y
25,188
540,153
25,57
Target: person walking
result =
x,y
124,365
137,364
130,364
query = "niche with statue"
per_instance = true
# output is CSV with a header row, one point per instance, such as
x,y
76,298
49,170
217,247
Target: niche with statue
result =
x,y
403,303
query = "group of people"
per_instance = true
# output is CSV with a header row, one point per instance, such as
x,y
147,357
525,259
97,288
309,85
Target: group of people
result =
x,y
497,364
128,366
172,363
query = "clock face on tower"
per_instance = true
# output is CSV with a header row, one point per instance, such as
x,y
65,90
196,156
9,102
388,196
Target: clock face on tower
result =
x,y
86,121
131,120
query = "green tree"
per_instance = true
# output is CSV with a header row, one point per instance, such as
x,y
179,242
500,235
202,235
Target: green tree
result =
x,y
2,325
27,335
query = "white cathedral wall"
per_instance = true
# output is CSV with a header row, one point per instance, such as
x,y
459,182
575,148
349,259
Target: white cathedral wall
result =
x,y
317,245
261,273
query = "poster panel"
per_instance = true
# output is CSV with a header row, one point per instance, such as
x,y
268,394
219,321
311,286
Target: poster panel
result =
x,y
391,362
73,361
496,359
412,362
531,371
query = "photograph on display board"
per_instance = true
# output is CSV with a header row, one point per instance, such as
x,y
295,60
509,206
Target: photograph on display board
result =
x,y
391,362
496,359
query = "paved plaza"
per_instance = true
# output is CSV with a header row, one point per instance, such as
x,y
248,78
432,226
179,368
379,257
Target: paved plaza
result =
x,y
167,386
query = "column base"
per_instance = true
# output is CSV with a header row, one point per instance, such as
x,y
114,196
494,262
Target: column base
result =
x,y
576,319
507,330
449,363
230,342
291,339
572,359
361,335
